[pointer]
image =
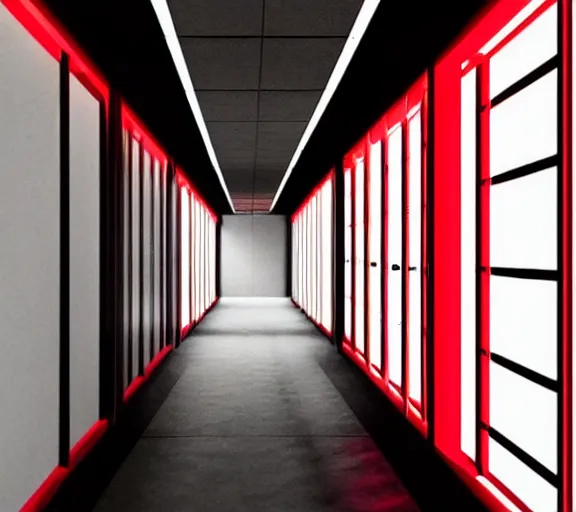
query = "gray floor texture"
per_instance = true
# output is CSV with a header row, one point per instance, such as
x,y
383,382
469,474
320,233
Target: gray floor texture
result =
x,y
254,424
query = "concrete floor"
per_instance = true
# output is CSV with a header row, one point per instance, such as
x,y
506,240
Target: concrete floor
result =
x,y
254,424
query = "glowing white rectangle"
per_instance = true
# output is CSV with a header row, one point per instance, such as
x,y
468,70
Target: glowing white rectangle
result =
x,y
359,265
185,258
525,413
523,322
415,257
532,489
394,249
524,128
536,44
468,265
375,269
524,222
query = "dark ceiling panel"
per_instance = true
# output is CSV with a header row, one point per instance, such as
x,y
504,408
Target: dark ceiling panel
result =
x,y
288,105
228,105
222,63
310,17
234,143
276,144
221,17
296,64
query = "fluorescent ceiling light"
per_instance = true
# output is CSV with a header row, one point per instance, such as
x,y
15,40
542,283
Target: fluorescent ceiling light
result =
x,y
165,19
360,25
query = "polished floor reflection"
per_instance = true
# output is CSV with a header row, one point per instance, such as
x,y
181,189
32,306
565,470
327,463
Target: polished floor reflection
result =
x,y
254,423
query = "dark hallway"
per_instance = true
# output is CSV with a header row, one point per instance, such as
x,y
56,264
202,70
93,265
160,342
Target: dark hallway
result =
x,y
253,423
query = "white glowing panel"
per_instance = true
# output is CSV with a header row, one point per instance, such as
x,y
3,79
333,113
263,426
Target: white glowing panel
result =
x,y
157,248
327,256
201,248
394,262
29,262
126,255
375,248
532,489
196,260
136,284
185,257
415,257
147,256
523,129
523,222
348,254
359,257
468,265
313,258
523,322
536,44
84,260
525,413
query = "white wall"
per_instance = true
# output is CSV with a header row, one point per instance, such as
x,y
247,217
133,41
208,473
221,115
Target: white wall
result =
x,y
84,259
253,257
29,263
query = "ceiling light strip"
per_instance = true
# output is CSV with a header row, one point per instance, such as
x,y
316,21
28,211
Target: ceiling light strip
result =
x,y
360,25
166,23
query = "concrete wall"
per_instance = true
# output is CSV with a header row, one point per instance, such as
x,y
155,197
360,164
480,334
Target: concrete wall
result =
x,y
253,259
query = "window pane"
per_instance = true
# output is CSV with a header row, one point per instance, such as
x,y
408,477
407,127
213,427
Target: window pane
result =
x,y
526,413
375,248
135,255
394,261
348,254
532,47
533,490
415,257
185,284
523,322
360,263
147,255
523,129
523,222
468,265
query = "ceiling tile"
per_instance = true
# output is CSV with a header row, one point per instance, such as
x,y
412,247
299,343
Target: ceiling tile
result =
x,y
310,18
223,63
220,18
294,64
228,105
288,106
234,144
240,181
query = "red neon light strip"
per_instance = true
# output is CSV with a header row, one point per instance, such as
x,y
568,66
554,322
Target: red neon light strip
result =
x,y
44,27
149,370
42,497
483,77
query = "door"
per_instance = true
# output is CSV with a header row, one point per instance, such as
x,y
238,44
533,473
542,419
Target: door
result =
x,y
360,260
348,255
414,250
394,258
375,253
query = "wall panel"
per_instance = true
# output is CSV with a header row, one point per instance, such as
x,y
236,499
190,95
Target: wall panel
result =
x,y
84,259
29,262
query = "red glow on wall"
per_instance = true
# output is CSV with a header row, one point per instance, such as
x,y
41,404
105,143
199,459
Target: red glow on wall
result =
x,y
138,382
42,497
131,123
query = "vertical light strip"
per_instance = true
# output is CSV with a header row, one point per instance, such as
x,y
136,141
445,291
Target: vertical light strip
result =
x,y
166,23
360,25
